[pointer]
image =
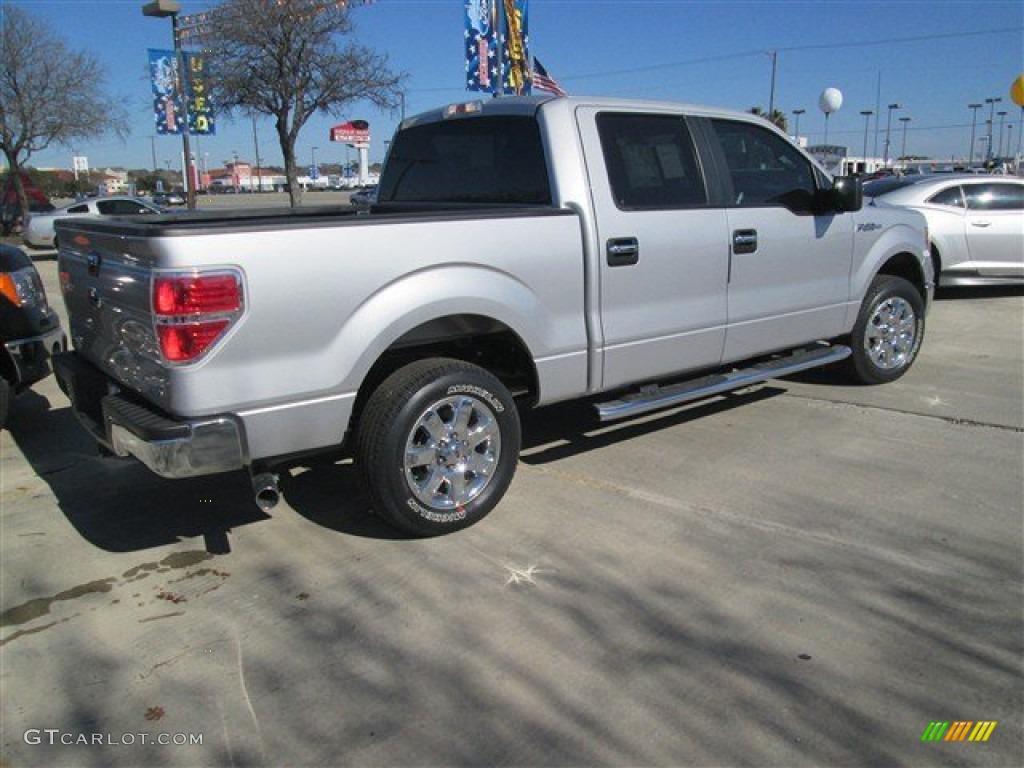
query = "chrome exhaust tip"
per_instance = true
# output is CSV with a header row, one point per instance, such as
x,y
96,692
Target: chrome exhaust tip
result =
x,y
266,491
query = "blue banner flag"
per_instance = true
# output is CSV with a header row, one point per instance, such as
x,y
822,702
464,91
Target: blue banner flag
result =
x,y
483,55
516,77
167,105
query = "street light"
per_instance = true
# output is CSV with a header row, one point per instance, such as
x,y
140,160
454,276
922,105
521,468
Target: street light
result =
x,y
991,122
888,131
903,152
1002,119
974,120
162,9
867,119
796,133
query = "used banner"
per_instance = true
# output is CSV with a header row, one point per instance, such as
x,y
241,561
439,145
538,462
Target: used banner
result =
x,y
516,77
169,108
200,108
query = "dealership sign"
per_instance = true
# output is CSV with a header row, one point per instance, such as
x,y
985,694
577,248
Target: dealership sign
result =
x,y
354,132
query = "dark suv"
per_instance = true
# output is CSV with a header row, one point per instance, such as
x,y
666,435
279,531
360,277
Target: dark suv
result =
x,y
29,328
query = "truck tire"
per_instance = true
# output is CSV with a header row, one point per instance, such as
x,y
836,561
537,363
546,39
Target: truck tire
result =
x,y
5,401
888,332
437,445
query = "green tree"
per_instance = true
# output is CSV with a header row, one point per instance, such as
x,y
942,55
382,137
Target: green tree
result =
x,y
48,93
286,59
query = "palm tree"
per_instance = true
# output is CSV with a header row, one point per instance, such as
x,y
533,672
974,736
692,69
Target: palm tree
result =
x,y
778,117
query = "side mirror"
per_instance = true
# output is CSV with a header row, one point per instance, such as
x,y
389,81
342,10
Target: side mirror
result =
x,y
847,194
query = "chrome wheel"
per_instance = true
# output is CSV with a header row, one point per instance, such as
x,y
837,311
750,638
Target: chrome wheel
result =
x,y
452,452
891,333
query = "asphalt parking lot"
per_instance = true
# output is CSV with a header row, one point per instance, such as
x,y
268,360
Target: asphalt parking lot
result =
x,y
798,574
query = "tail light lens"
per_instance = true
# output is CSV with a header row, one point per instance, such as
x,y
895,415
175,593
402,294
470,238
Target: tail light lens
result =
x,y
194,310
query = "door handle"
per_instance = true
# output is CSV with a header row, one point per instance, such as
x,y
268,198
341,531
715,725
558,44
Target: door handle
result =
x,y
744,241
623,252
981,223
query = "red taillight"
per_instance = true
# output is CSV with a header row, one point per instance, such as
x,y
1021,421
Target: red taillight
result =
x,y
192,311
196,294
180,343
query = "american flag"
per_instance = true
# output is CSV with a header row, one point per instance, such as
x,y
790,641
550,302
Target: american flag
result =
x,y
545,82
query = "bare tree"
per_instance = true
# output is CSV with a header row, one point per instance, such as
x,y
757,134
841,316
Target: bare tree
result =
x,y
48,94
282,58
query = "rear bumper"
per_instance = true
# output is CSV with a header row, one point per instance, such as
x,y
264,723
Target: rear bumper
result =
x,y
31,357
170,447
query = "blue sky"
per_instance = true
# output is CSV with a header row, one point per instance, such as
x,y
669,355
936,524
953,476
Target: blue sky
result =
x,y
931,57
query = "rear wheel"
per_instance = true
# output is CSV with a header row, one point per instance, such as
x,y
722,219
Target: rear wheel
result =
x,y
888,332
437,445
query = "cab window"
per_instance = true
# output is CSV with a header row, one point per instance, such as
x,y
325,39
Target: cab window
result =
x,y
765,169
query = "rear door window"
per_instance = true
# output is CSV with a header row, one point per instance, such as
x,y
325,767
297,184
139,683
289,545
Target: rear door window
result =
x,y
651,162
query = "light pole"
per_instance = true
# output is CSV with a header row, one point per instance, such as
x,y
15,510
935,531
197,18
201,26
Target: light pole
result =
x,y
162,9
888,132
796,133
1002,119
902,154
991,122
974,121
867,119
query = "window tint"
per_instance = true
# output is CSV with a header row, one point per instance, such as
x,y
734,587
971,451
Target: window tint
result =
x,y
995,197
651,162
953,196
482,160
765,169
79,209
120,208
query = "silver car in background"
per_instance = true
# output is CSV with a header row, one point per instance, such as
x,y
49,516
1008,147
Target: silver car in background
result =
x,y
39,232
976,224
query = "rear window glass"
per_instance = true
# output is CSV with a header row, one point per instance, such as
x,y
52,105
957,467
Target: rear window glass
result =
x,y
881,187
949,196
479,160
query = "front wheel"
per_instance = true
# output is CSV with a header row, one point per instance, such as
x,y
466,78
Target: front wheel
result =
x,y
437,445
888,332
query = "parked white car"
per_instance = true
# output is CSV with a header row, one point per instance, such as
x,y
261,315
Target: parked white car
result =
x,y
39,232
976,224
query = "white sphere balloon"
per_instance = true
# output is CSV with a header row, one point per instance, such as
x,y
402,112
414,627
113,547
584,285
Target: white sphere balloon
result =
x,y
831,100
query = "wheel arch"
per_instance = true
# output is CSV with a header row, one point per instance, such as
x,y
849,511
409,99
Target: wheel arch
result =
x,y
478,339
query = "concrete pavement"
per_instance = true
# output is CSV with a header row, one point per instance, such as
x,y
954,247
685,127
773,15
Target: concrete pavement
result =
x,y
800,574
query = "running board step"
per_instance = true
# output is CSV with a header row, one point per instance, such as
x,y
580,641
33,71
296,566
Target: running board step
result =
x,y
655,397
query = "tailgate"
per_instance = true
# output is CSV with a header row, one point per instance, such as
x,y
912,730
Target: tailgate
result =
x,y
105,280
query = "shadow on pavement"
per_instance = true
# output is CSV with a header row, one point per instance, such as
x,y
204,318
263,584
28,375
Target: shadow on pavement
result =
x,y
119,505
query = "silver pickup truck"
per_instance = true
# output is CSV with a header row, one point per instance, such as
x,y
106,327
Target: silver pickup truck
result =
x,y
521,252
